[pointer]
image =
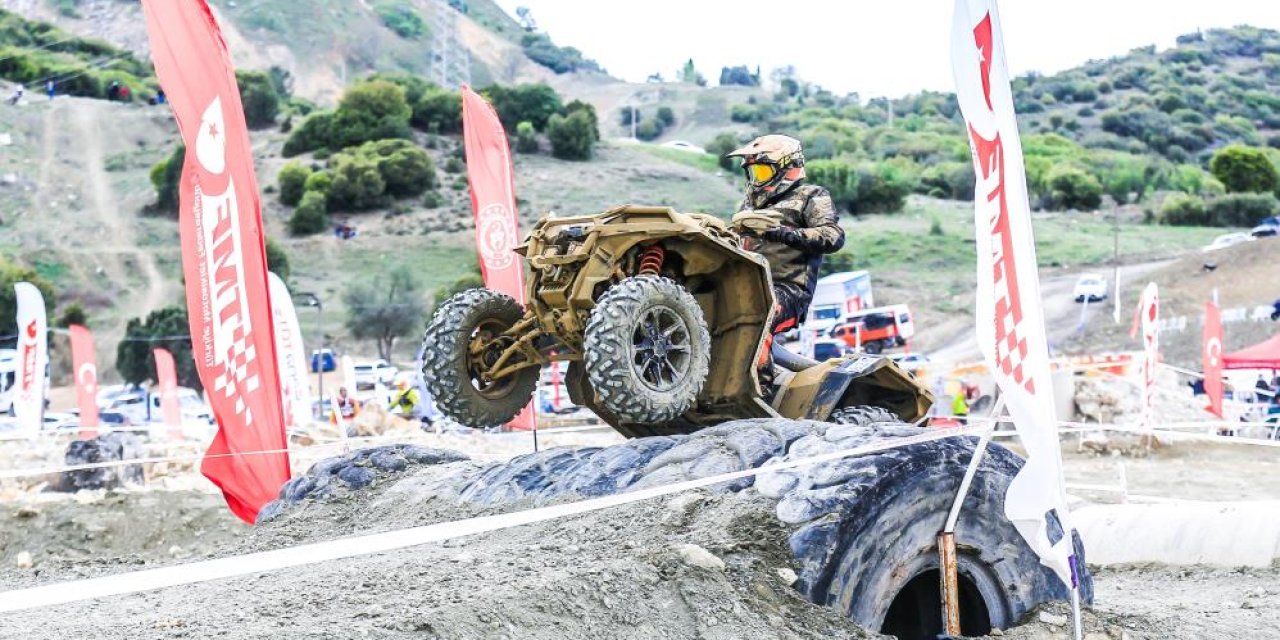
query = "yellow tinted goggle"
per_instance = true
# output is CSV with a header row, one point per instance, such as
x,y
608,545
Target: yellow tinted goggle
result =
x,y
760,173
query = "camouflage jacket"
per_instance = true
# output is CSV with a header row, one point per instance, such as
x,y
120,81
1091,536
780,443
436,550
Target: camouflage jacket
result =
x,y
809,210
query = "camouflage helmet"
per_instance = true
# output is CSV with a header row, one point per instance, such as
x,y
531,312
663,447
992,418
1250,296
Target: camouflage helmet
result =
x,y
771,163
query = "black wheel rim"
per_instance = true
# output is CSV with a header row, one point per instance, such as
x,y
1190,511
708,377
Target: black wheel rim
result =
x,y
661,348
483,351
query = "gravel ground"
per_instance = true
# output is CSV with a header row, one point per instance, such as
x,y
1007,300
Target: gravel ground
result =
x,y
695,566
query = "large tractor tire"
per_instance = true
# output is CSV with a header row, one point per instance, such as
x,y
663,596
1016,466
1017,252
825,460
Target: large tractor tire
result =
x,y
450,367
863,529
647,350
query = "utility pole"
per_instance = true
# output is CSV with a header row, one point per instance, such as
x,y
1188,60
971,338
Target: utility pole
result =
x,y
1115,260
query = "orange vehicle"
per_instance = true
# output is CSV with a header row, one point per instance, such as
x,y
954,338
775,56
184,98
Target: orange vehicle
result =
x,y
874,330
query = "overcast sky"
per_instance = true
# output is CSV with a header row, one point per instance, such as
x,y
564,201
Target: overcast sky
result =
x,y
882,48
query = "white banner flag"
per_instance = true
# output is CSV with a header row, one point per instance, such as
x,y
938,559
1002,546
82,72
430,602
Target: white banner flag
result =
x,y
1010,323
349,375
295,390
1150,313
33,359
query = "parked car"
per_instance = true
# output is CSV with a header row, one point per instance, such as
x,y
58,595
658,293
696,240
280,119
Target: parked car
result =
x,y
1267,228
371,374
1091,287
681,145
1228,240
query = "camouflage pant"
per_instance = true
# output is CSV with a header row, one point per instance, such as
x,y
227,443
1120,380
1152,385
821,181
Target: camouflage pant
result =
x,y
793,303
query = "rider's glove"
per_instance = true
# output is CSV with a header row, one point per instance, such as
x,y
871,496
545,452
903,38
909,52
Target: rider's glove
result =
x,y
781,233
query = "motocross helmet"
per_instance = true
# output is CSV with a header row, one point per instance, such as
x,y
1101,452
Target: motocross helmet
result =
x,y
772,163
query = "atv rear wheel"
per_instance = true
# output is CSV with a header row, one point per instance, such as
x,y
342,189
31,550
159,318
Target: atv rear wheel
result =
x,y
462,340
647,350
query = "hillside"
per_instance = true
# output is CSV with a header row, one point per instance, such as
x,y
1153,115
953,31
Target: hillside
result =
x,y
70,181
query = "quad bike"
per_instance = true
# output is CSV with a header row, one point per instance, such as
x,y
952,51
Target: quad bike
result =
x,y
663,320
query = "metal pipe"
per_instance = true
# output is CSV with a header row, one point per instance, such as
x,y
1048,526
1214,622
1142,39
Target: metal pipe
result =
x,y
950,583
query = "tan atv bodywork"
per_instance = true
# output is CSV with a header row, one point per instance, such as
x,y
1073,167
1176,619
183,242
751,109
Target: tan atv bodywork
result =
x,y
572,261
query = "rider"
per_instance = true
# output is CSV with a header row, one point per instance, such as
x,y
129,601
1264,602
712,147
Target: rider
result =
x,y
794,223
408,402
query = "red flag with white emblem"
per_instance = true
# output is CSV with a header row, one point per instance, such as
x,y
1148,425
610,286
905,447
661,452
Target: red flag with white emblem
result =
x,y
85,364
223,255
493,201
1009,321
1213,358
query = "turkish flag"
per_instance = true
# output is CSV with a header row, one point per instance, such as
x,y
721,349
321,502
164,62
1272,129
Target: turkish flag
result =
x,y
493,201
223,255
85,363
1212,355
167,381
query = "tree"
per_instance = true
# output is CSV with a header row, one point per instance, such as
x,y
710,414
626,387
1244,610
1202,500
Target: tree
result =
x,y
293,180
572,138
9,274
472,280
259,98
666,116
739,75
165,328
689,74
73,314
1244,169
278,260
316,132
165,176
1183,210
311,216
385,309
722,144
370,111
402,20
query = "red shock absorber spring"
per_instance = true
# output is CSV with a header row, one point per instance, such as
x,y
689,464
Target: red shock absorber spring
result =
x,y
651,260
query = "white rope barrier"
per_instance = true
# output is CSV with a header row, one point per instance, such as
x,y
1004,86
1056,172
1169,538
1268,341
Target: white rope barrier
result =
x,y
307,554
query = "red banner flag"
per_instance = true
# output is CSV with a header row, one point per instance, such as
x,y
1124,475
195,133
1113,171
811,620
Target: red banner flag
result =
x,y
493,201
1212,353
167,381
223,256
85,363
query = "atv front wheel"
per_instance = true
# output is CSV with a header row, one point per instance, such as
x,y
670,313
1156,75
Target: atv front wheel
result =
x,y
463,340
647,350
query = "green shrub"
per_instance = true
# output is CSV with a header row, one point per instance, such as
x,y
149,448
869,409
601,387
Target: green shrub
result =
x,y
1244,169
319,182
277,260
666,116
314,133
649,130
1183,210
432,200
293,180
865,188
438,111
259,97
575,106
723,143
952,180
454,165
1071,187
1241,209
534,103
165,176
405,168
402,20
526,138
368,111
358,185
539,48
311,216
572,137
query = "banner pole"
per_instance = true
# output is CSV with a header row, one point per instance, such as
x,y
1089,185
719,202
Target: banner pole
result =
x,y
1077,624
